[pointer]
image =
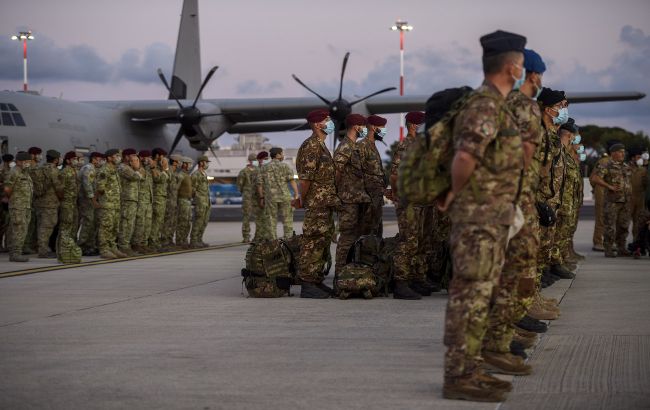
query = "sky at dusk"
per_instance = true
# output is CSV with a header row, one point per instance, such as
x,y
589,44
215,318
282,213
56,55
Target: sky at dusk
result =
x,y
96,50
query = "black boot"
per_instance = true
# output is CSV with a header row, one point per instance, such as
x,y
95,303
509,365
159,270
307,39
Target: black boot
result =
x,y
312,291
532,325
403,291
518,349
420,287
562,272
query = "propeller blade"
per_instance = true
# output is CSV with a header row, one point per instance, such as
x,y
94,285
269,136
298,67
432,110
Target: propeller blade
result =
x,y
310,90
211,115
207,142
205,82
345,63
385,90
166,119
179,135
164,80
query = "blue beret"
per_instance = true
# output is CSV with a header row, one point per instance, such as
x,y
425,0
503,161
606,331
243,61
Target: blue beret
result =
x,y
533,62
502,42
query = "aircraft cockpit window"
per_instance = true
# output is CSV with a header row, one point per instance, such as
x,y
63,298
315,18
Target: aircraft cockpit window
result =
x,y
12,107
6,119
10,116
3,107
18,119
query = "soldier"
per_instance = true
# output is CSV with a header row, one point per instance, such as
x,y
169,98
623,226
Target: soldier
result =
x,y
245,185
31,239
637,185
599,207
262,221
130,177
49,192
87,211
614,175
7,160
18,190
68,211
171,206
107,201
160,176
184,217
201,195
142,228
349,187
317,188
274,188
489,155
374,177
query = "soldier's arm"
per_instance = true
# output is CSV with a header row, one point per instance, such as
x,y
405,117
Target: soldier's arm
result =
x,y
129,173
598,178
341,158
240,181
8,186
86,185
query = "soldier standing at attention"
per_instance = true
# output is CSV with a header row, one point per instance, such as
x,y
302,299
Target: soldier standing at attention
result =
x,y
638,176
488,154
7,159
18,190
160,177
130,177
262,221
277,198
350,187
142,228
171,206
201,190
31,239
373,175
87,211
599,208
184,215
68,212
245,185
614,175
107,203
318,195
47,202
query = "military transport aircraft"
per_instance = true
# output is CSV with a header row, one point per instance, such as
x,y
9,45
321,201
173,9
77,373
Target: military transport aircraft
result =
x,y
32,120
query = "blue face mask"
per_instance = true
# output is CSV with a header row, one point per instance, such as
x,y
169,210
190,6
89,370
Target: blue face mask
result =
x,y
329,127
539,91
380,134
581,149
520,81
583,157
576,140
363,132
562,116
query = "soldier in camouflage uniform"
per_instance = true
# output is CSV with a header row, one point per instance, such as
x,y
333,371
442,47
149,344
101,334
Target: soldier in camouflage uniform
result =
x,y
87,210
317,188
48,189
68,211
614,175
184,204
171,206
374,178
107,203
7,159
130,177
160,177
142,228
201,194
31,239
275,190
262,221
489,155
599,207
638,185
245,185
18,189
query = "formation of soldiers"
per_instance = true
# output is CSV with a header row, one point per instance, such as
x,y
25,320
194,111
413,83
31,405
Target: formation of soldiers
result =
x,y
119,204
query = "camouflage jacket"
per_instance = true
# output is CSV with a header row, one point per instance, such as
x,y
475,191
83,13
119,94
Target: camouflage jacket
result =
x,y
275,182
108,189
172,185
4,175
129,182
399,152
200,187
617,174
52,190
553,169
572,180
160,180
70,186
21,189
145,189
350,185
638,181
373,171
245,182
486,129
315,164
184,185
88,173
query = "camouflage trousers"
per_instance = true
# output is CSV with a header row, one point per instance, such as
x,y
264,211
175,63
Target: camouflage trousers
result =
x,y
157,221
410,257
69,220
88,222
317,231
478,252
201,217
440,263
19,219
171,218
515,291
546,239
183,221
285,211
108,222
263,229
567,228
599,208
31,237
637,206
247,213
617,223
128,213
142,228
4,225
373,220
351,217
46,220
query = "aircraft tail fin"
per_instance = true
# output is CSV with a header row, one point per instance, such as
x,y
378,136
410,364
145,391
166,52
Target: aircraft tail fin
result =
x,y
186,78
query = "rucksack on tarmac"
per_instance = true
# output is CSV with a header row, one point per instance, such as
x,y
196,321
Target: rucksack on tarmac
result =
x,y
293,244
375,253
68,252
355,279
268,272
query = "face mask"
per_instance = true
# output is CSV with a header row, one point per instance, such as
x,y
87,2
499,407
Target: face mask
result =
x,y
12,164
27,164
75,164
206,166
380,134
38,158
539,91
639,162
329,127
118,160
581,149
645,156
363,132
562,116
519,81
576,139
583,157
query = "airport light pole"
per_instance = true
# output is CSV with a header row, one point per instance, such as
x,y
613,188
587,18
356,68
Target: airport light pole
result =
x,y
401,26
24,36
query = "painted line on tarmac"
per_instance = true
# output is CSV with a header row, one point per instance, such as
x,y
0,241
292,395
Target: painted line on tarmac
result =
x,y
107,261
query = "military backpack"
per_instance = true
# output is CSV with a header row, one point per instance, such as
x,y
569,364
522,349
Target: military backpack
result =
x,y
268,272
369,255
68,252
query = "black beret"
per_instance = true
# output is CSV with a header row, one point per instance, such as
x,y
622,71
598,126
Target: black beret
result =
x,y
502,42
570,126
7,157
23,156
111,151
550,97
617,147
275,151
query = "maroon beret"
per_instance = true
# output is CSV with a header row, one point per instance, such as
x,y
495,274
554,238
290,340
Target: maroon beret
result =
x,y
158,151
317,116
355,119
262,155
70,155
415,117
34,150
144,153
96,155
128,151
377,121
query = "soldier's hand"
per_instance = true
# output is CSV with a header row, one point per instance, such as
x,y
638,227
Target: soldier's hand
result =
x,y
444,202
164,163
135,162
296,203
614,188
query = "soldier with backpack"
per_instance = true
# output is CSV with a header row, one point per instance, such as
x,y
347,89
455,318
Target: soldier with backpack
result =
x,y
374,178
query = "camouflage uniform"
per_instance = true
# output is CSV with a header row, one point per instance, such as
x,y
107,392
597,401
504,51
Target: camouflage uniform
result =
x,y
4,210
160,185
263,229
130,188
20,205
277,198
617,213
567,212
599,207
47,205
374,180
516,287
245,185
637,200
108,193
68,212
315,164
88,216
31,238
480,220
184,214
142,228
171,207
201,192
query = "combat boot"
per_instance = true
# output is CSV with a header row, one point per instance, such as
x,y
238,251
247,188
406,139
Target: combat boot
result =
x,y
598,248
494,382
47,255
550,301
127,251
471,388
107,254
204,245
562,272
325,288
17,257
524,333
518,349
505,363
532,325
118,253
312,291
610,253
420,287
403,291
623,252
525,342
539,312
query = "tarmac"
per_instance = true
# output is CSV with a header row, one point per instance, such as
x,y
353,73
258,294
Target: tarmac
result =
x,y
176,332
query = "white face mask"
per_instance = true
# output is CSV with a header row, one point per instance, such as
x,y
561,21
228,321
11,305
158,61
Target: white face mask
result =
x,y
12,164
639,162
645,156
